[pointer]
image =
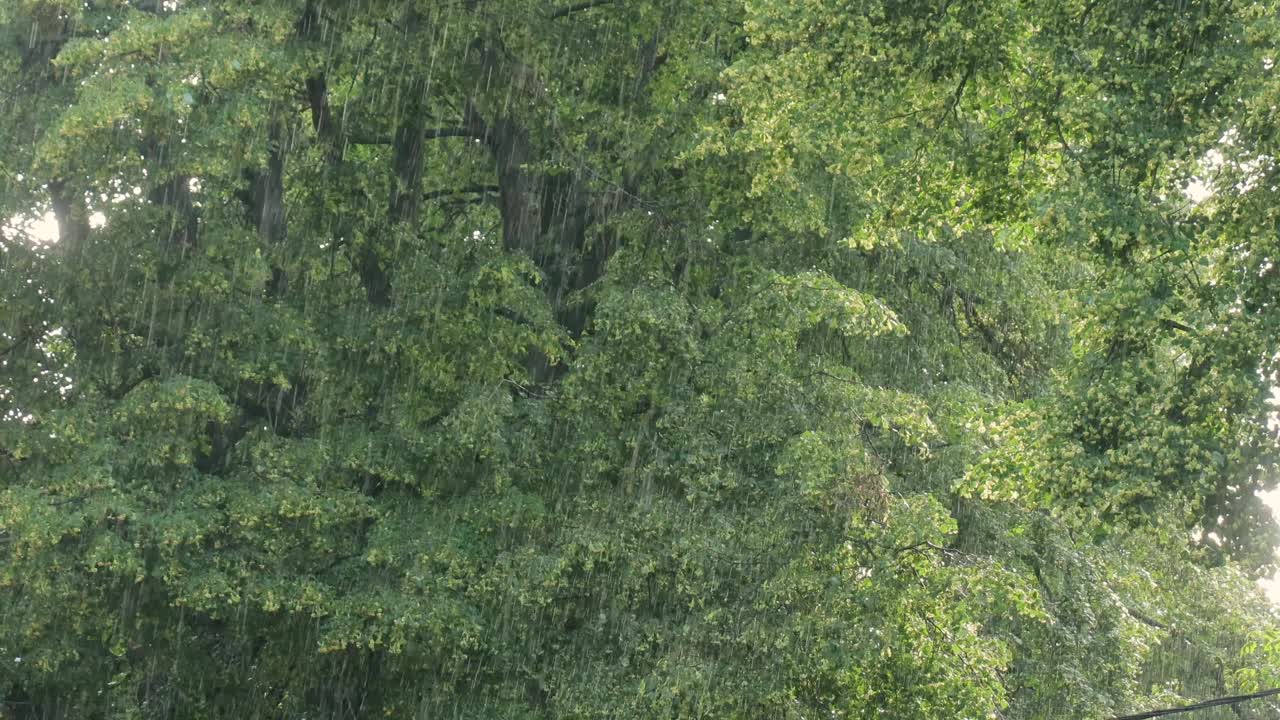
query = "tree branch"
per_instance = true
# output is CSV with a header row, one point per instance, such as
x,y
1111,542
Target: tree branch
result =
x,y
437,194
578,7
451,132
1175,325
18,342
1145,619
953,104
1215,702
429,134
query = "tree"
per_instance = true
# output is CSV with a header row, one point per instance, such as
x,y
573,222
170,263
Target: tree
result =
x,y
644,359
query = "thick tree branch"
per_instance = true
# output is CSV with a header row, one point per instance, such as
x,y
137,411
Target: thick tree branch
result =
x,y
451,132
430,133
1175,325
953,103
355,139
1145,619
1215,702
483,189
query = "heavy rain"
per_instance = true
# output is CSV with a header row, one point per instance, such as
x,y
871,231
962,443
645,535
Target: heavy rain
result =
x,y
540,359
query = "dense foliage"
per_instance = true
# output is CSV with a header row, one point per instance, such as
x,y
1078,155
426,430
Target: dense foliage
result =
x,y
636,359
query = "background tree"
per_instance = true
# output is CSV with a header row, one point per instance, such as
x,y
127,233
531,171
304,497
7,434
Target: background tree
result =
x,y
635,359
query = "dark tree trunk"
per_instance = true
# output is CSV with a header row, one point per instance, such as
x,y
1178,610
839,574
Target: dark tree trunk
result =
x,y
265,207
73,222
549,217
173,194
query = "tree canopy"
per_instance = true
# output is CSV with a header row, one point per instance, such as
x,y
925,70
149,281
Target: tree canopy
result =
x,y
637,358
